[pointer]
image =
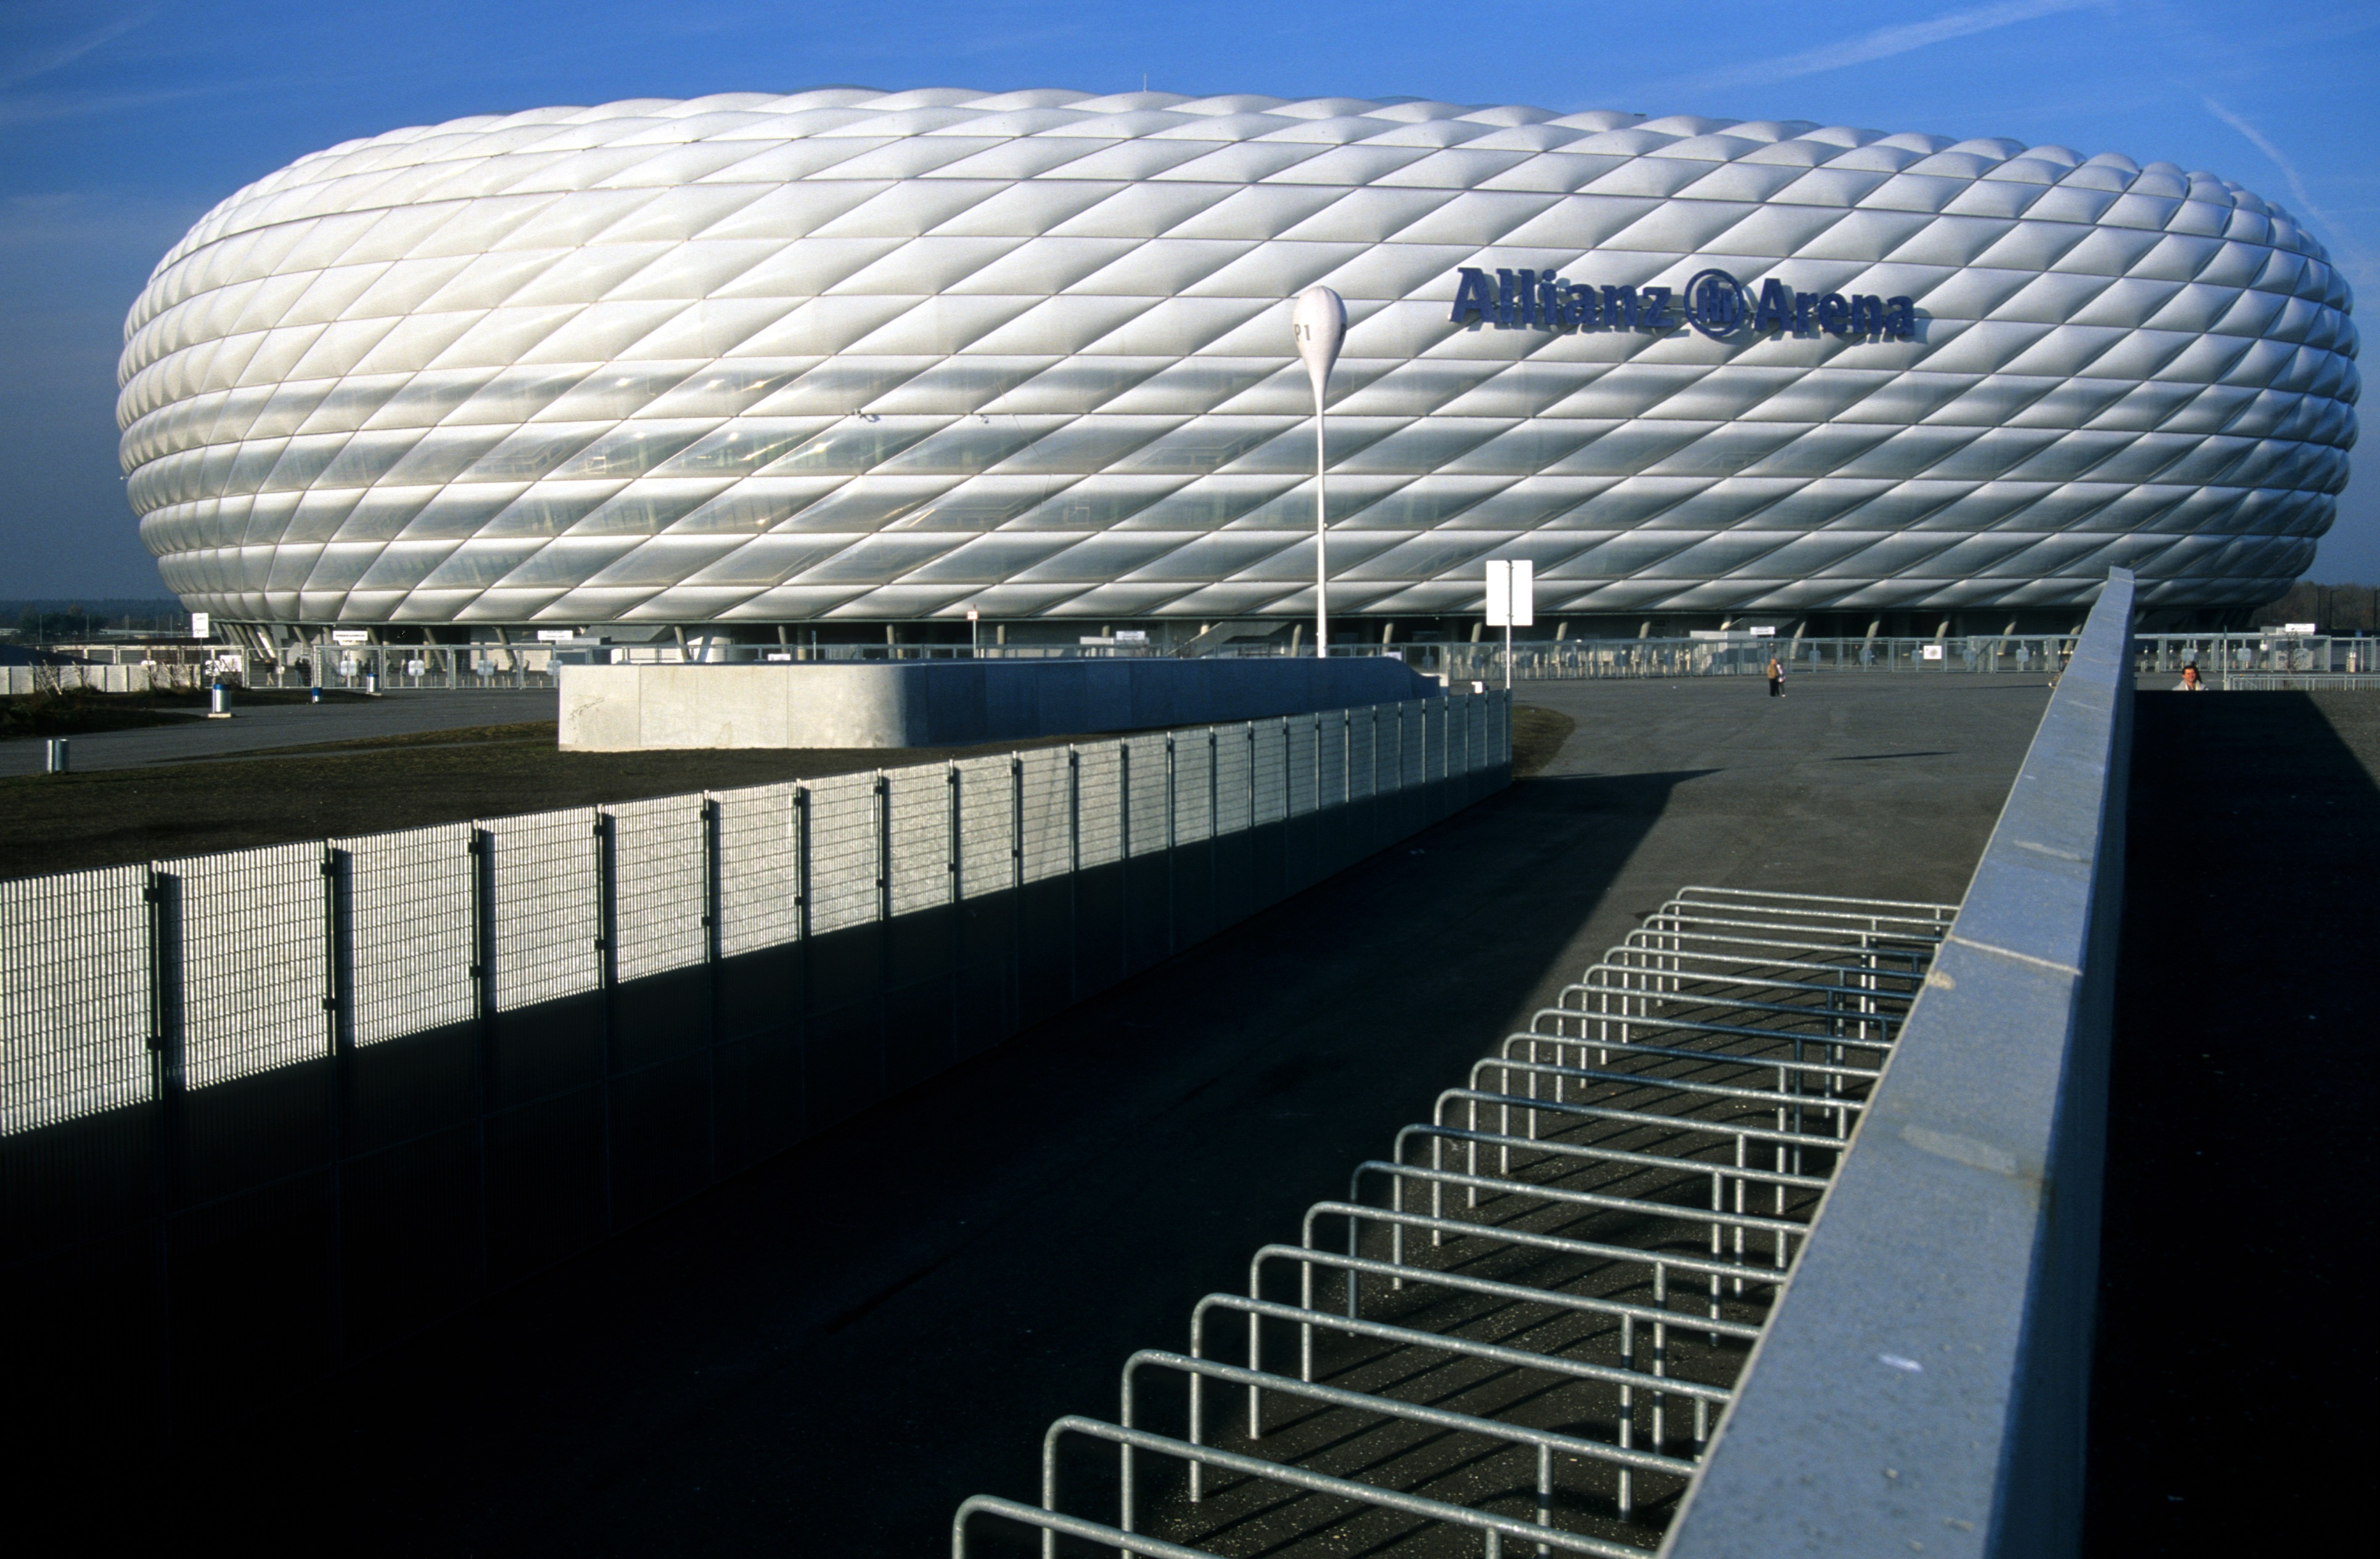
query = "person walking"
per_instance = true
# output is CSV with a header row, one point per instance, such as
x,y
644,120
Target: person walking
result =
x,y
1776,677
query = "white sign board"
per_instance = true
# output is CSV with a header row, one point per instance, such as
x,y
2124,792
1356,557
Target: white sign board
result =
x,y
1931,652
973,614
1132,635
351,635
200,626
2300,628
1764,633
557,635
1511,592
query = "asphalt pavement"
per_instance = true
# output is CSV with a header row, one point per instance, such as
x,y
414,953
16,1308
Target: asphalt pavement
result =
x,y
258,726
826,1354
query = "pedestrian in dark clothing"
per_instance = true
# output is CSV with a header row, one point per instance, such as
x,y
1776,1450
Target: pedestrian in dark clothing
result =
x,y
1776,677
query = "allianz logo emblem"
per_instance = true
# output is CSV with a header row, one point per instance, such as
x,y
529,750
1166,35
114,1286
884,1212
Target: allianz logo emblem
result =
x,y
1712,302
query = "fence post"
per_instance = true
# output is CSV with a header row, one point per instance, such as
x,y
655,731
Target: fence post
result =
x,y
1073,872
805,972
607,980
1016,888
338,1012
955,886
1123,856
1172,886
710,966
1214,823
481,908
884,933
162,895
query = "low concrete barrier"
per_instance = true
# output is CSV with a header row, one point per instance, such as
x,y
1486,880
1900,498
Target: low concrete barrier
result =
x,y
1924,1384
951,704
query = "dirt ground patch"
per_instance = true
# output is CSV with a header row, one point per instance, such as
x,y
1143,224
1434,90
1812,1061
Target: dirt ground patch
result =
x,y
67,822
374,784
1538,735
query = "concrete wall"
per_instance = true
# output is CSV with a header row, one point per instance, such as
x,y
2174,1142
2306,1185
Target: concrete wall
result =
x,y
950,704
1924,1386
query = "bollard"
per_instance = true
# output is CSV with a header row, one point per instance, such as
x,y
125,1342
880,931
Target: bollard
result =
x,y
216,700
371,685
314,694
54,755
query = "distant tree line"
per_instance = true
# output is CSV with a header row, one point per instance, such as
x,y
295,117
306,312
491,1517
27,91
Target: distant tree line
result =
x,y
2334,609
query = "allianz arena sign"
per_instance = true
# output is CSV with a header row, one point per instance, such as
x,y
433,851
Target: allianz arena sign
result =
x,y
1713,302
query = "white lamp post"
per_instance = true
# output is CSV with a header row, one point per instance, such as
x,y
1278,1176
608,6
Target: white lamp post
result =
x,y
1319,325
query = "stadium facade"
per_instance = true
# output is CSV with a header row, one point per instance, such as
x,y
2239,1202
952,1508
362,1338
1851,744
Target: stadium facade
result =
x,y
846,359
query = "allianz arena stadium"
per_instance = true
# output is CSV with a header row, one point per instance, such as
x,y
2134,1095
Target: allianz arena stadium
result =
x,y
852,363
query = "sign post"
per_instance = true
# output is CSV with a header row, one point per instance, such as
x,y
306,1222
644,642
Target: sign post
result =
x,y
1512,602
973,651
1320,326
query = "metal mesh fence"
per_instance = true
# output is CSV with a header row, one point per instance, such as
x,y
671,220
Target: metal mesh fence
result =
x,y
1048,840
548,920
260,959
1194,786
1268,782
1234,773
1363,743
74,996
920,831
758,871
248,942
844,870
658,858
1299,735
1330,758
334,1159
1146,784
987,826
408,931
1100,803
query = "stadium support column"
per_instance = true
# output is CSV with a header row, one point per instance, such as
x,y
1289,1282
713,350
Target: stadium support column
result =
x,y
1319,325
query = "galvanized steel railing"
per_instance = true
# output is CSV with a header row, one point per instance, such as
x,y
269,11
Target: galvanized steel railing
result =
x,y
1520,1326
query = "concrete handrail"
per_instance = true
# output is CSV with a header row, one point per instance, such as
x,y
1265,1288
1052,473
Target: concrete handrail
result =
x,y
1925,1383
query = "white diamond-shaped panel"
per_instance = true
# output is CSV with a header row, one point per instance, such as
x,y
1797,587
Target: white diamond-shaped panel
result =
x,y
849,354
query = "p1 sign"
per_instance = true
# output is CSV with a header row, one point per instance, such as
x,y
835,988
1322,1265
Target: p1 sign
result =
x,y
200,626
1511,592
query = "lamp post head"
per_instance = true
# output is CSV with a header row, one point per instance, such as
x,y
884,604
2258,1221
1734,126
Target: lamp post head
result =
x,y
1320,325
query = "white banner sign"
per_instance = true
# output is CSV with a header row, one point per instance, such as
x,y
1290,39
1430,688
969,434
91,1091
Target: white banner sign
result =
x,y
199,626
1511,592
351,635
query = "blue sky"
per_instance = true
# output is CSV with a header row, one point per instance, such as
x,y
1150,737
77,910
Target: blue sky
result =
x,y
121,124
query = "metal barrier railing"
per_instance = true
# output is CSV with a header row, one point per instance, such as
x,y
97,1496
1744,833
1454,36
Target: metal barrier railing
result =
x,y
1521,1325
1938,1330
2220,658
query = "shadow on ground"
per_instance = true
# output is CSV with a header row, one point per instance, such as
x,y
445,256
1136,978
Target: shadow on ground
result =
x,y
838,1347
2235,1363
828,1353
